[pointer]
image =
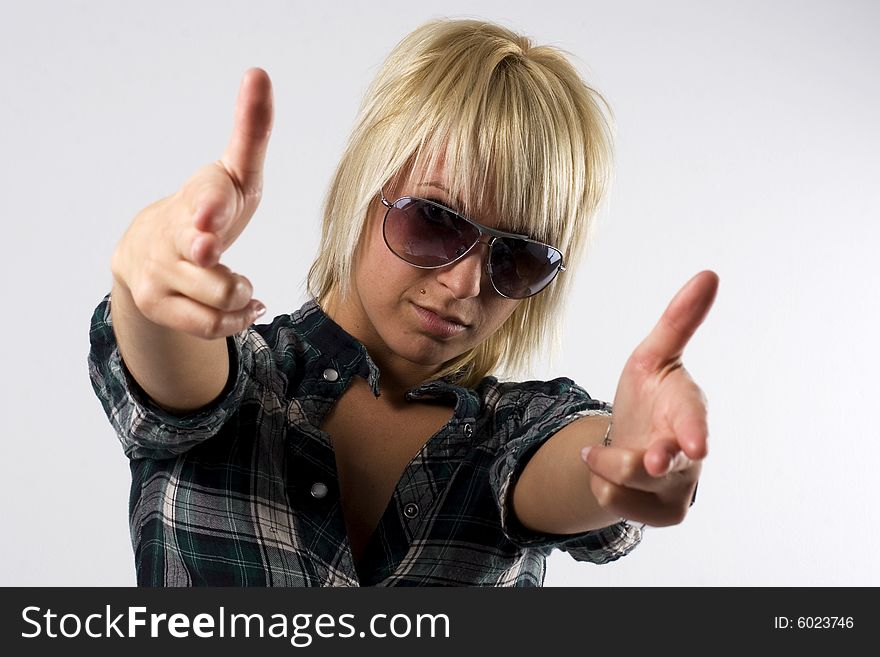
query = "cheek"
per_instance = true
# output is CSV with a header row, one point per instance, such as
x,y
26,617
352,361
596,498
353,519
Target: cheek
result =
x,y
368,258
379,273
497,311
510,306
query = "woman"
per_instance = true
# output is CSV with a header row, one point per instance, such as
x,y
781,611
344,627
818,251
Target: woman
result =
x,y
362,440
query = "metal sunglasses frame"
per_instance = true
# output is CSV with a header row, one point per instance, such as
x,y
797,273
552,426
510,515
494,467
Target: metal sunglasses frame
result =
x,y
483,230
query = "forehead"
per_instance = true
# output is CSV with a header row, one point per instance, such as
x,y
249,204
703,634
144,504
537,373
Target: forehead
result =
x,y
436,181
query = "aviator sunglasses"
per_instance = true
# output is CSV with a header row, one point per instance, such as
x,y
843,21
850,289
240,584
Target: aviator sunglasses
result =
x,y
429,235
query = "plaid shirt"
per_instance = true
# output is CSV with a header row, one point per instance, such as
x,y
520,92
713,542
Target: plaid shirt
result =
x,y
245,492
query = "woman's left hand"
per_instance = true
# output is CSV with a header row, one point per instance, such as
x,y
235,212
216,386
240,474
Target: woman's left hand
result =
x,y
659,430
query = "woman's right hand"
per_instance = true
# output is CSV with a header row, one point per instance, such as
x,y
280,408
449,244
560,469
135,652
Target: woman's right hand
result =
x,y
169,258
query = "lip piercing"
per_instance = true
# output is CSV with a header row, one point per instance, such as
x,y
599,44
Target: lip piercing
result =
x,y
422,291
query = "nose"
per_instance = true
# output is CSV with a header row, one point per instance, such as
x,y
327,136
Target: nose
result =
x,y
464,277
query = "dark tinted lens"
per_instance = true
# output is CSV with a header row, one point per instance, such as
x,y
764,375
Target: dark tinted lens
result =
x,y
426,234
520,269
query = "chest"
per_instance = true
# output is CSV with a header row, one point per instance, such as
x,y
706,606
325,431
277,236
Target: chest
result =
x,y
373,441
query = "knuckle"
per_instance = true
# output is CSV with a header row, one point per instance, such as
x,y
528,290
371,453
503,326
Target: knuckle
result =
x,y
246,289
192,237
677,516
146,296
663,521
151,272
603,491
226,292
212,326
674,512
630,463
116,262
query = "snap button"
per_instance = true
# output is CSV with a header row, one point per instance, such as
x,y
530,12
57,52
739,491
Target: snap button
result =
x,y
330,374
411,510
319,490
468,429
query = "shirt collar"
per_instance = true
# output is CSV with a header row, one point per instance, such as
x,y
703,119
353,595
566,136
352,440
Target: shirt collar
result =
x,y
335,343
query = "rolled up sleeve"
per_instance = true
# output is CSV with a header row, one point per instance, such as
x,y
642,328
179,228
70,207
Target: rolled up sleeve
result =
x,y
539,415
144,429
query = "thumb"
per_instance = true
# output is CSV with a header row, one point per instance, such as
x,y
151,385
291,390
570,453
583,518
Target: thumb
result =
x,y
247,146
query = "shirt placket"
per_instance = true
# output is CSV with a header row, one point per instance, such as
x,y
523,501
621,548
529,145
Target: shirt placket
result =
x,y
313,481
421,489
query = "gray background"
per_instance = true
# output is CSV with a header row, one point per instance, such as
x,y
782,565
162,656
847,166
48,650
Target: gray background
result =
x,y
747,143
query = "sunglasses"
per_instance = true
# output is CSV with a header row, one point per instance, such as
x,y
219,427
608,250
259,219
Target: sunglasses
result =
x,y
429,235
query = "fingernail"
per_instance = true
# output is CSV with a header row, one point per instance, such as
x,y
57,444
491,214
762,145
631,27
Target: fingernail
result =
x,y
585,452
259,310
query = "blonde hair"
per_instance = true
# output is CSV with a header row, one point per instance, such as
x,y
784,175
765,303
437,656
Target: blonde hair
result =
x,y
513,120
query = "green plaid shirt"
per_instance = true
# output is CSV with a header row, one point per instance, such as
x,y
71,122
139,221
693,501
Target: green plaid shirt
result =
x,y
245,492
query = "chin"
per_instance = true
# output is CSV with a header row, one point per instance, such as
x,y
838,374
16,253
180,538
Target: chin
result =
x,y
426,358
426,352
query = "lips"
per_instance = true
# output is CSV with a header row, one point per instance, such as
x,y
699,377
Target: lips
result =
x,y
440,325
454,319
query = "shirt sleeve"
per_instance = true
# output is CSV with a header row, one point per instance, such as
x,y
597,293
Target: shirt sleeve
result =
x,y
541,415
145,429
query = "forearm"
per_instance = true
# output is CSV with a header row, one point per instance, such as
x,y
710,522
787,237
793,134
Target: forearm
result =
x,y
179,372
553,492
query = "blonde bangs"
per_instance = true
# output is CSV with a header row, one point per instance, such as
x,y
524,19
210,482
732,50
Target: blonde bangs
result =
x,y
523,138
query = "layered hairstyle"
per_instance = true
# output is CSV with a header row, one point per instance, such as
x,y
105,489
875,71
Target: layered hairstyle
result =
x,y
518,128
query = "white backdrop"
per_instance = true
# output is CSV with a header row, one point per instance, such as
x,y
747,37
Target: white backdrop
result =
x,y
747,144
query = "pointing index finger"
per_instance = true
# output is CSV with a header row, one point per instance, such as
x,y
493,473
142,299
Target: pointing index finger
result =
x,y
247,146
679,322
